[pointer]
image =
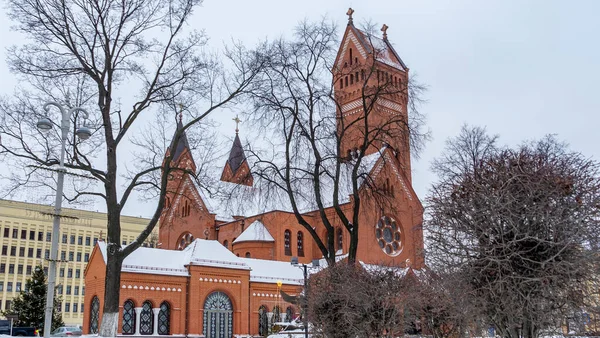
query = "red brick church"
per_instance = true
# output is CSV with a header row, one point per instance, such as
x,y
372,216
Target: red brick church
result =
x,y
217,275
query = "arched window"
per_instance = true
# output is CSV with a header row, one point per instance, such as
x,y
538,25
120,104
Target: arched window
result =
x,y
128,317
287,239
184,240
263,321
351,56
94,314
247,255
146,319
276,315
164,319
289,314
226,244
339,239
300,244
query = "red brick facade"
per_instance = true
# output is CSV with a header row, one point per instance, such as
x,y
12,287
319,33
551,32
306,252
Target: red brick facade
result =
x,y
187,217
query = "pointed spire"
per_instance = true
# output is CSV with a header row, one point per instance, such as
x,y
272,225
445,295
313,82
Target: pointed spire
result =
x,y
349,14
183,142
236,168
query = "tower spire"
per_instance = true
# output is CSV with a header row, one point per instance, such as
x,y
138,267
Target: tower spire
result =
x,y
180,112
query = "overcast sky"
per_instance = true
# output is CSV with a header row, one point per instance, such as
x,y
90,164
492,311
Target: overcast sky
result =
x,y
522,69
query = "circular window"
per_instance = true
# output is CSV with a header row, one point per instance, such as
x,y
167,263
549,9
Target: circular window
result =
x,y
389,236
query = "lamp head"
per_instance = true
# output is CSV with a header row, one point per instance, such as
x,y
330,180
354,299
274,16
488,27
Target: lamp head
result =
x,y
83,133
294,260
44,124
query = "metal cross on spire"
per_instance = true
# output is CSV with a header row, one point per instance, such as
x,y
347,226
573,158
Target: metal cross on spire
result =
x,y
384,29
237,123
349,14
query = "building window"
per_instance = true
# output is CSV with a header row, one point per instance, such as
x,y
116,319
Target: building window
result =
x,y
71,255
15,233
70,273
95,241
38,253
263,321
124,242
64,238
276,317
20,269
86,257
287,239
80,240
23,234
13,250
247,255
76,291
48,237
87,240
82,292
61,272
289,314
8,305
94,314
4,250
40,236
59,289
146,319
74,307
30,252
3,268
21,252
1,286
77,273
8,287
11,268
67,307
63,255
28,271
18,288
300,244
340,238
47,254
6,232
46,270
164,315
128,317
72,241
79,256
32,235
68,289
226,244
81,307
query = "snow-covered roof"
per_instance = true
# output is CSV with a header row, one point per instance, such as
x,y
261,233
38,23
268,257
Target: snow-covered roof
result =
x,y
266,271
255,232
205,253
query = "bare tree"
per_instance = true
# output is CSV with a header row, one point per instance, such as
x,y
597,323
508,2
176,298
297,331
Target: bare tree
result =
x,y
519,225
112,54
355,301
316,156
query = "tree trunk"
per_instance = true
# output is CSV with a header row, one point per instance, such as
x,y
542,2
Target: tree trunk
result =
x,y
110,317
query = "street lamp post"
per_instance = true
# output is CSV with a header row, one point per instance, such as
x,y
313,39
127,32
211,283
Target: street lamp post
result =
x,y
315,264
83,133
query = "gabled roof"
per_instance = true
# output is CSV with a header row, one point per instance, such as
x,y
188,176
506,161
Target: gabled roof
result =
x,y
256,232
367,44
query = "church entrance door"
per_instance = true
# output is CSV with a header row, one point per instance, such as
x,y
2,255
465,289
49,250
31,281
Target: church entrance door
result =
x,y
218,316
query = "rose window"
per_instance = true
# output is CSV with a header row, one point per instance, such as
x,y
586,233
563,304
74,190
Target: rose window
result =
x,y
389,236
184,241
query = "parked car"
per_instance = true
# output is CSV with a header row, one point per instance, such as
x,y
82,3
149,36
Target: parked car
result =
x,y
16,330
66,331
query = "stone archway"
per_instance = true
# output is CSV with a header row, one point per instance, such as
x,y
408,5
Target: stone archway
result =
x,y
218,316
